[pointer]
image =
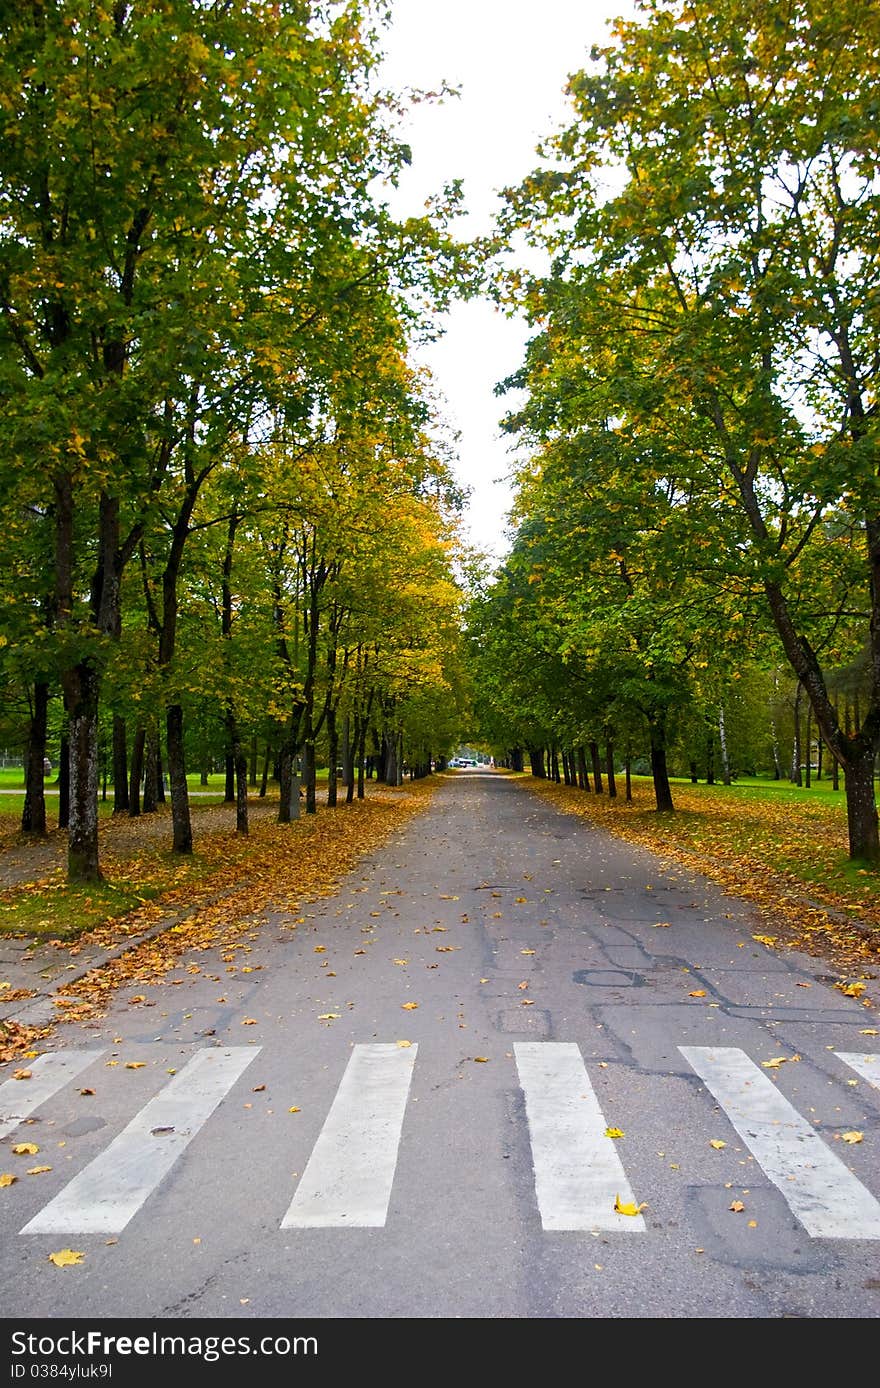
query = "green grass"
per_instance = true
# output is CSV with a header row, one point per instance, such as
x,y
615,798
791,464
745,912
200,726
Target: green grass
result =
x,y
66,911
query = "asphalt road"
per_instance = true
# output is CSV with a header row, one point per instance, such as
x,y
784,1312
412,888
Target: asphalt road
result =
x,y
461,1032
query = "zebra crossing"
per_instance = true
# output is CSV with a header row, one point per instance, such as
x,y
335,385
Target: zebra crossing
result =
x,y
580,1181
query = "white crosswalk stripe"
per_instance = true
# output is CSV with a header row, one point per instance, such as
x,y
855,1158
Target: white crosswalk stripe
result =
x,y
821,1192
578,1175
49,1073
348,1179
111,1189
867,1065
347,1182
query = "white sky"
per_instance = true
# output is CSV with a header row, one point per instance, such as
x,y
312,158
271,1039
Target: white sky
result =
x,y
511,58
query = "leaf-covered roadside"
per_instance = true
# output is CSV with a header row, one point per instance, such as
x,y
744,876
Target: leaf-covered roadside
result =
x,y
279,868
783,857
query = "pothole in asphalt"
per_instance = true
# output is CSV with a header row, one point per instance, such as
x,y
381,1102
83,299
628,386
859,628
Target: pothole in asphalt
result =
x,y
610,978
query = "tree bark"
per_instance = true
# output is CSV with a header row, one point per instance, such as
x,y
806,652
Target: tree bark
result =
x,y
609,770
659,769
333,748
597,767
309,777
64,782
536,761
722,740
264,783
33,815
229,782
136,772
82,841
182,840
861,808
151,753
583,773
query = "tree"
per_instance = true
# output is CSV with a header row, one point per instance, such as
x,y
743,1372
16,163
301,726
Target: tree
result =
x,y
715,228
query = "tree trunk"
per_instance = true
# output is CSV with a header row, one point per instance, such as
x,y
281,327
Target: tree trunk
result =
x,y
241,786
819,749
361,759
722,740
160,771
252,773
516,759
391,760
64,782
597,768
536,761
808,769
82,842
120,765
347,759
710,760
264,783
229,781
151,754
33,815
333,748
777,763
795,777
627,766
861,810
136,772
659,769
583,773
609,770
694,775
182,841
309,777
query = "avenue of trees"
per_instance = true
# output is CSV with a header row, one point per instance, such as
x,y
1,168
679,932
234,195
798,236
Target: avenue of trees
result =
x,y
697,525
228,527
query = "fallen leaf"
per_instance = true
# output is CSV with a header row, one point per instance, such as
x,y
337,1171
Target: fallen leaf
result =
x,y
527,1002
7,1179
401,961
778,1060
851,990
614,1132
626,1208
661,925
404,1044
258,1089
409,1006
737,1206
86,1091
527,951
717,1143
249,1022
484,980
520,899
853,1136
481,1059
328,1016
765,939
21,1074
753,1224
135,1064
523,985
869,1031
295,1109
25,1149
66,1258
320,949
38,1170
697,993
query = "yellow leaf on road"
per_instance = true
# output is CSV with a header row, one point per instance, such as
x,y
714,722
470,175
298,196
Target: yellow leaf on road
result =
x,y
627,1208
481,1059
295,1109
527,951
778,1060
404,1045
66,1258
523,985
869,1031
737,1206
249,1022
328,1016
614,1132
409,1006
851,990
25,1149
661,925
21,1074
38,1170
852,1136
765,939
320,949
7,1179
697,993
135,1064
717,1143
